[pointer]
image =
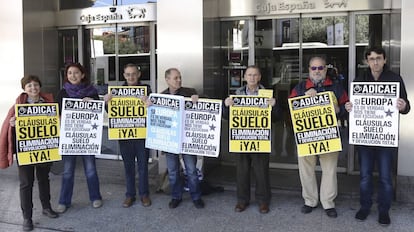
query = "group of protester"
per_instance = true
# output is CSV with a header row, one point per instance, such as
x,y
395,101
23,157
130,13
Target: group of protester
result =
x,y
77,85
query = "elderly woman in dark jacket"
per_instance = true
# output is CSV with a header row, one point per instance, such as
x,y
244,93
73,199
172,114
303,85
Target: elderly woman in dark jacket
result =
x,y
31,95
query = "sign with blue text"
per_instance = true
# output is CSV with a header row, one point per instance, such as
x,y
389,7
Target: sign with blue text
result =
x,y
165,123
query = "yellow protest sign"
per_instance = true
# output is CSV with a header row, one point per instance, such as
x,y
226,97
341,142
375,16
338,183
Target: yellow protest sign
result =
x,y
127,113
37,133
250,124
266,93
315,124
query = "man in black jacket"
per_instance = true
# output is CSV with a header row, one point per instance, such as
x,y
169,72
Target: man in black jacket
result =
x,y
383,156
173,79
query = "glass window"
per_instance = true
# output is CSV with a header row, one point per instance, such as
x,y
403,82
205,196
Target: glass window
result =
x,y
102,41
107,61
277,55
134,40
234,50
369,32
330,30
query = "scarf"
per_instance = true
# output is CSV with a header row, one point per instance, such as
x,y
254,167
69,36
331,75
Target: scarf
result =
x,y
79,91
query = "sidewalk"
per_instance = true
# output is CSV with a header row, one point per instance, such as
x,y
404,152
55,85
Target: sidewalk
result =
x,y
218,215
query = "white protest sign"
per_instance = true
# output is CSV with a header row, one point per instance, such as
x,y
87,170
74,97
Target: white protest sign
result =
x,y
81,127
374,118
202,127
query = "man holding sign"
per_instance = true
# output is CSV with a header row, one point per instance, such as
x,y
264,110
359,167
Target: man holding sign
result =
x,y
382,155
173,79
131,144
252,157
319,82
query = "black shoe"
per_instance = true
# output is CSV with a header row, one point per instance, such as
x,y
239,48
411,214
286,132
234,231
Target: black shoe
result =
x,y
307,209
331,212
27,225
384,219
174,203
362,214
199,204
50,213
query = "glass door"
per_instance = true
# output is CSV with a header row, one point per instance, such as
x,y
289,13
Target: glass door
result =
x,y
108,50
283,47
111,48
234,51
68,50
328,37
277,53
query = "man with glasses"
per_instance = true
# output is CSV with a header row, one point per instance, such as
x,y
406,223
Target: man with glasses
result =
x,y
133,151
315,83
382,156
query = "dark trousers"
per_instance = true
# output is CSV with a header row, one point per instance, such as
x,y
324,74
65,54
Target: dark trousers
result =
x,y
383,157
134,151
26,176
259,164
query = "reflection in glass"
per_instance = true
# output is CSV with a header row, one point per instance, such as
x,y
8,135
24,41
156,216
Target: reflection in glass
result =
x,y
134,40
331,30
283,59
369,32
234,50
102,41
133,47
277,55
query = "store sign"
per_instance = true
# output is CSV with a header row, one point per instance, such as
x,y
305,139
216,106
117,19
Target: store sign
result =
x,y
287,6
230,8
292,7
111,14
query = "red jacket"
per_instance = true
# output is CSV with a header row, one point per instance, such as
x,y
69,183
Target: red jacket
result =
x,y
7,142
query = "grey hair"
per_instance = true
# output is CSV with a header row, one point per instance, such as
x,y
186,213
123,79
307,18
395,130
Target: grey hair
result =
x,y
168,71
317,58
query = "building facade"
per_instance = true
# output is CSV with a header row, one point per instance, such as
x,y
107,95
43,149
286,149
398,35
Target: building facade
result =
x,y
212,42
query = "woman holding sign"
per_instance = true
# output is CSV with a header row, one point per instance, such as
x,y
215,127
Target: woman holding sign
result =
x,y
31,95
77,85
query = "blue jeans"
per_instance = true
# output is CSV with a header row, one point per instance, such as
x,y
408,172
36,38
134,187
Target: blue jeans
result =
x,y
383,157
68,178
131,149
174,176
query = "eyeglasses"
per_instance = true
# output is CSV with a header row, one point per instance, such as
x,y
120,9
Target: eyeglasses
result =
x,y
313,68
375,59
130,74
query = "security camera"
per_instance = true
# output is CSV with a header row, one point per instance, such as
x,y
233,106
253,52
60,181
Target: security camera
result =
x,y
112,9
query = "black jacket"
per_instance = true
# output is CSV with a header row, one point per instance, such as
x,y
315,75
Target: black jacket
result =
x,y
387,76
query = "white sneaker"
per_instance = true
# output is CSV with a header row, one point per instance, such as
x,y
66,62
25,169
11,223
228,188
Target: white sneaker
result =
x,y
61,208
97,203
